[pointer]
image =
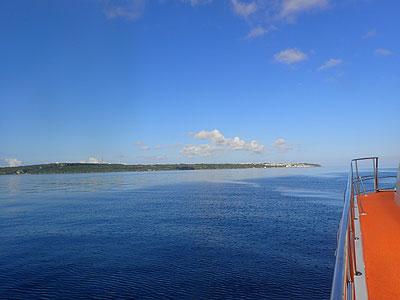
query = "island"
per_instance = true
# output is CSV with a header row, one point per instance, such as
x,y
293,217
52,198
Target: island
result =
x,y
62,168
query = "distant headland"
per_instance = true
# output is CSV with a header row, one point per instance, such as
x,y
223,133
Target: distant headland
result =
x,y
60,168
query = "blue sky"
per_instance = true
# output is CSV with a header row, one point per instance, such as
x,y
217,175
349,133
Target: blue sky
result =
x,y
173,81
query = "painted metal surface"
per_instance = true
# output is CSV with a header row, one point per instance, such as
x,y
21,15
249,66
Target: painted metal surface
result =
x,y
397,193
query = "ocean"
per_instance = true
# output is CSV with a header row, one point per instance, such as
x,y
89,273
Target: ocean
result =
x,y
210,234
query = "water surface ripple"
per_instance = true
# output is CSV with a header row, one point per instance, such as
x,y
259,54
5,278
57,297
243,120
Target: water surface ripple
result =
x,y
221,234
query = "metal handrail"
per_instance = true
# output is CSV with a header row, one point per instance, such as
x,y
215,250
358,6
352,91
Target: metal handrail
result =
x,y
341,265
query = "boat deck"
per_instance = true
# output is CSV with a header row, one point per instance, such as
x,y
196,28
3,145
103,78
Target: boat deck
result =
x,y
380,229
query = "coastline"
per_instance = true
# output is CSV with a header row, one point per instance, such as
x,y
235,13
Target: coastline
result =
x,y
70,168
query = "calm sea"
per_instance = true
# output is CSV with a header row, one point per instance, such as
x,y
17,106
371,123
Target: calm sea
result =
x,y
218,234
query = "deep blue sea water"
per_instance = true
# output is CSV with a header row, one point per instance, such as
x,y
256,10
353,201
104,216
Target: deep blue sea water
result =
x,y
217,234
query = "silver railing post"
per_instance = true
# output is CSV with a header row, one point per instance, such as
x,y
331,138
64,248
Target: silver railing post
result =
x,y
358,179
376,186
357,186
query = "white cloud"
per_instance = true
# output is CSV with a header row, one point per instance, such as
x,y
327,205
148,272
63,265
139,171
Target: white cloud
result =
x,y
138,143
197,2
256,32
128,9
330,63
176,145
93,160
200,150
13,162
281,145
291,8
369,34
381,51
145,148
216,138
244,9
157,157
219,143
278,9
290,56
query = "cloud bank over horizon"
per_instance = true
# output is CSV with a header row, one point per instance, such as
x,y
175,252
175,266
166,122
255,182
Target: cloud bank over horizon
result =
x,y
12,162
219,143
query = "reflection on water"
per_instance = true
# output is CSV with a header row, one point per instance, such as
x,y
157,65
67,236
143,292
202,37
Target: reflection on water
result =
x,y
91,182
306,193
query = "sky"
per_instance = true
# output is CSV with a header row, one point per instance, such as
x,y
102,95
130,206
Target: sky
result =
x,y
199,81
